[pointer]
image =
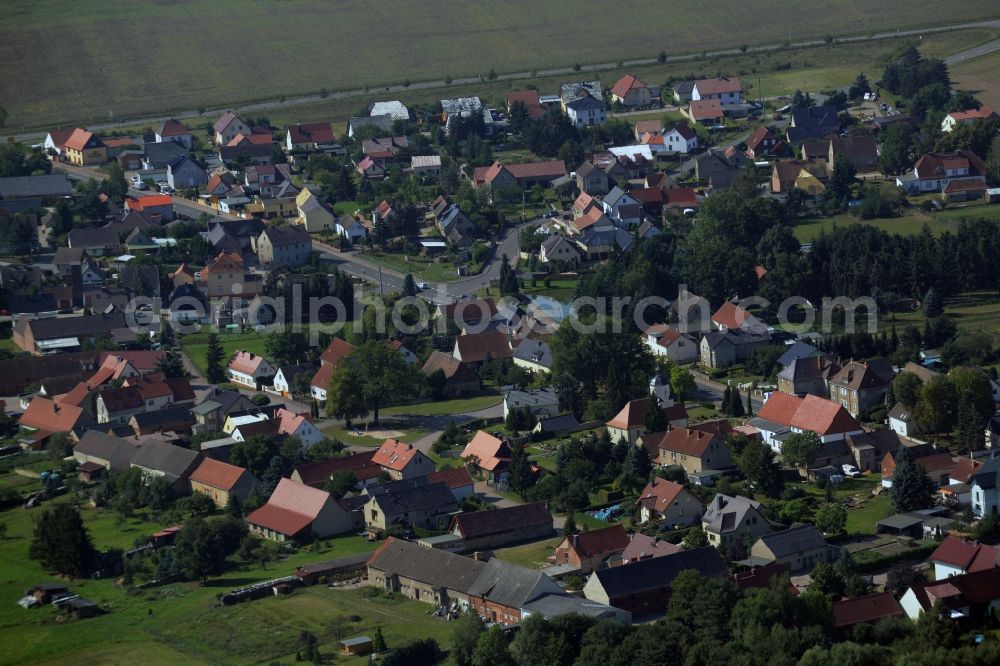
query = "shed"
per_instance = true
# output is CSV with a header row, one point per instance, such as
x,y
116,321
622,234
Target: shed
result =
x,y
900,524
355,646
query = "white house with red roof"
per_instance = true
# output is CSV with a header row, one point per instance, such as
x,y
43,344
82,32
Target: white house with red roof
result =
x,y
310,136
668,502
488,455
629,424
249,369
630,91
227,127
296,511
664,340
402,461
783,414
297,425
956,556
967,117
730,317
681,138
939,172
172,130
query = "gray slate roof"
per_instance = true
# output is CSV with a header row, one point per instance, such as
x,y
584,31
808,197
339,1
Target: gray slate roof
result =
x,y
795,539
117,452
173,461
434,567
513,586
51,185
417,494
658,572
725,513
534,351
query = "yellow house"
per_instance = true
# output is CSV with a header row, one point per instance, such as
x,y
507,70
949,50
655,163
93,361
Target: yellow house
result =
x,y
313,215
219,480
83,148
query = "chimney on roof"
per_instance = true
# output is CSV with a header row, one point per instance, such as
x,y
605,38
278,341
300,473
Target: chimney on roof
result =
x,y
55,407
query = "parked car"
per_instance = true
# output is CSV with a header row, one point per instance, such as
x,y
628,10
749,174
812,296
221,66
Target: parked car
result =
x,y
850,470
166,189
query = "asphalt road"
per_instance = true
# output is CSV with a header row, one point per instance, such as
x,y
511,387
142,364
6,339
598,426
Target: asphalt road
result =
x,y
974,52
559,71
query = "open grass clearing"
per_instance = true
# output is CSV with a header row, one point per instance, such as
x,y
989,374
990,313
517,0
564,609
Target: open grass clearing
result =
x,y
981,77
907,225
531,555
456,406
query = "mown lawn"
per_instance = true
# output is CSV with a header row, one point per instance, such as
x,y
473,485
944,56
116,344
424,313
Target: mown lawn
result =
x,y
531,555
457,406
907,225
862,520
972,311
348,437
423,269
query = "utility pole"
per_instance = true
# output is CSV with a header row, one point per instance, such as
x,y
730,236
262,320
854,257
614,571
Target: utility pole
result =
x,y
380,291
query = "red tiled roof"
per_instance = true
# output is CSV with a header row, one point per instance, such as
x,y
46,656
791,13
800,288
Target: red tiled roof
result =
x,y
957,552
288,421
870,608
312,132
648,127
983,112
321,379
780,408
291,508
599,543
680,197
625,84
659,494
633,414
217,474
527,97
224,262
964,469
317,474
935,165
936,462
642,547
705,109
759,135
457,477
687,441
60,136
143,361
246,362
79,139
490,451
731,315
336,350
475,347
44,414
824,417
172,127
149,201
548,169
395,455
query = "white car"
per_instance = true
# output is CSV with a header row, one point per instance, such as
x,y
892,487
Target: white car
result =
x,y
139,184
850,470
421,286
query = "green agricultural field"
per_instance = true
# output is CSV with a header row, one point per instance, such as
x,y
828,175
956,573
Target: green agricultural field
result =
x,y
906,225
183,56
531,555
182,623
445,407
973,312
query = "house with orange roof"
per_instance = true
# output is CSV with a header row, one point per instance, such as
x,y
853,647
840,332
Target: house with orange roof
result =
x,y
249,369
220,481
56,139
331,356
730,316
668,503
184,275
84,148
401,460
152,204
935,172
967,117
664,340
594,549
295,511
488,455
630,91
629,424
46,417
523,176
706,112
783,414
297,425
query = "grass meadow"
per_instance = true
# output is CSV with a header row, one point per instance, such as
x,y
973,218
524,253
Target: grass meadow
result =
x,y
62,67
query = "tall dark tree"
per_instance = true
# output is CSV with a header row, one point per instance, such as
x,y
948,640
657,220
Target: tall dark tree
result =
x,y
61,542
911,488
757,463
736,403
636,468
521,478
171,365
371,376
656,419
409,286
932,305
214,360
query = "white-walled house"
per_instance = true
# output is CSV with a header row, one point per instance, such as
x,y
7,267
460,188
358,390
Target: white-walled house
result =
x,y
664,340
680,139
726,90
783,414
248,369
985,483
298,425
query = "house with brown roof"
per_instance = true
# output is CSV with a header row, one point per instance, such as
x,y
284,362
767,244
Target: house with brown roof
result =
x,y
807,176
629,424
724,89
644,127
523,175
587,551
680,139
763,143
227,127
495,528
592,181
530,100
309,136
225,276
971,598
668,504
956,556
460,378
249,369
936,172
693,450
317,474
476,348
860,149
860,386
117,404
642,547
401,460
869,609
967,117
84,148
488,455
220,481
46,416
174,131
296,511
630,91
706,112
458,480
937,464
